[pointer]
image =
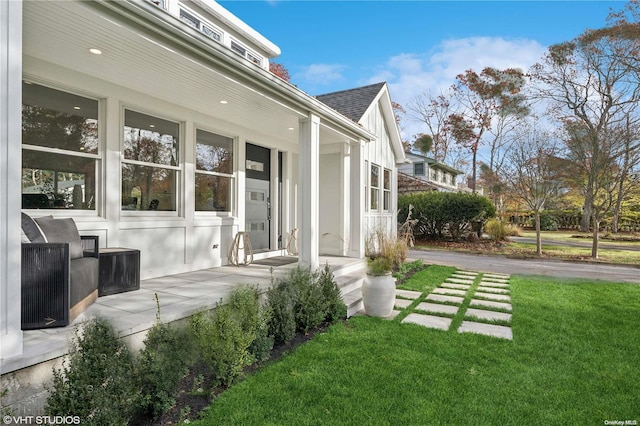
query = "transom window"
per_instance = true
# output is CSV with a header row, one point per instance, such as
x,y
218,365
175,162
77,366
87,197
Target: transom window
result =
x,y
242,51
60,149
214,172
192,20
151,163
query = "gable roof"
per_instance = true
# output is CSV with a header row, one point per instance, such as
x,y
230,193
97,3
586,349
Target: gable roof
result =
x,y
352,103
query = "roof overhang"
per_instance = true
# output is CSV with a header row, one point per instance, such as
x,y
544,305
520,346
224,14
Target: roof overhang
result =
x,y
149,51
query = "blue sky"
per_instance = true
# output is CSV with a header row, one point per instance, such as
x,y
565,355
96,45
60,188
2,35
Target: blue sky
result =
x,y
415,46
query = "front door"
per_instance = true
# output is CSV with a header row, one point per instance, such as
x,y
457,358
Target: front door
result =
x,y
258,197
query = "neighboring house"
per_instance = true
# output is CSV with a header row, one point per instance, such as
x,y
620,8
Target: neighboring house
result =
x,y
176,137
434,174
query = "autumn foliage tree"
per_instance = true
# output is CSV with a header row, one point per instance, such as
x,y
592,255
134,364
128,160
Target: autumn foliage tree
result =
x,y
280,71
480,99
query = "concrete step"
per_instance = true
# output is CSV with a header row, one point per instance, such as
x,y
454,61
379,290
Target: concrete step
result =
x,y
354,266
353,300
348,283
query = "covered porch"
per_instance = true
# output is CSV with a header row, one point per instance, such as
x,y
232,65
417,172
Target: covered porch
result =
x,y
133,313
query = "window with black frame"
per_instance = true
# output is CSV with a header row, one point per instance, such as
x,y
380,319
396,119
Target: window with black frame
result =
x,y
60,149
151,164
214,180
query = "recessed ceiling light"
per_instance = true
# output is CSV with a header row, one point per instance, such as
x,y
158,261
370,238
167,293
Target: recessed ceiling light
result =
x,y
291,128
76,107
95,51
224,102
152,125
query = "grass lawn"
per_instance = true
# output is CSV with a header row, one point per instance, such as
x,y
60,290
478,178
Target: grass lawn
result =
x,y
573,360
627,257
584,237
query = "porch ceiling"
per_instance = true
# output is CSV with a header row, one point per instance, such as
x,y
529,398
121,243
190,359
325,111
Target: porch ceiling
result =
x,y
62,32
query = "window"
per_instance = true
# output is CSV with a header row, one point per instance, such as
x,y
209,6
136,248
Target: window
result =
x,y
366,186
151,161
433,175
418,169
386,193
193,21
242,51
61,149
375,186
214,172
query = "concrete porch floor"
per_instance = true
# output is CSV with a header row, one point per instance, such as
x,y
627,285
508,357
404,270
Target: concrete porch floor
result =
x,y
180,296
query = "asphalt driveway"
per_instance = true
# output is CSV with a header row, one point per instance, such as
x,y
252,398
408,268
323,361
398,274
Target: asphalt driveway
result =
x,y
503,265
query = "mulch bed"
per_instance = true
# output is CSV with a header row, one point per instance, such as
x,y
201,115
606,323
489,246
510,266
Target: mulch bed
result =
x,y
190,401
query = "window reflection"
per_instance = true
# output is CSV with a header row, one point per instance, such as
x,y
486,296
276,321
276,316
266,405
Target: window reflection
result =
x,y
60,149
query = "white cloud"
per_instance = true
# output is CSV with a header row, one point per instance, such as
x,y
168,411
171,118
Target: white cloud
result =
x,y
411,74
318,75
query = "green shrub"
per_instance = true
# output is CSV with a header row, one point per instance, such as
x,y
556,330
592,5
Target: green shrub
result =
x,y
96,382
282,323
225,336
496,229
165,360
445,213
547,222
302,300
336,309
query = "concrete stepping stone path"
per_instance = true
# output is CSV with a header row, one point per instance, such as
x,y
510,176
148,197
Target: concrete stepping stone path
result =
x,y
449,291
491,301
492,296
493,290
489,304
456,286
437,308
442,298
402,303
408,294
458,281
487,315
429,321
501,331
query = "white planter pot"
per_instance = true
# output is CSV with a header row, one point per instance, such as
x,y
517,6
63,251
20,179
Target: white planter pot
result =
x,y
378,295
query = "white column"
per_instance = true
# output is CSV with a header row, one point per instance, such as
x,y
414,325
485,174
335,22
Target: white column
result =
x,y
357,189
275,192
345,198
10,171
308,169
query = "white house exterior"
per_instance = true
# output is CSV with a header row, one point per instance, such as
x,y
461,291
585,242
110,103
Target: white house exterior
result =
x,y
165,132
437,175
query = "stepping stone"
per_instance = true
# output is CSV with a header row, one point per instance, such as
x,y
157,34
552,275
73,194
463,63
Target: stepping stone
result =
x,y
496,297
402,303
489,304
487,315
464,277
449,291
437,308
501,276
456,286
408,294
470,273
458,281
493,290
490,284
430,321
495,280
486,329
443,298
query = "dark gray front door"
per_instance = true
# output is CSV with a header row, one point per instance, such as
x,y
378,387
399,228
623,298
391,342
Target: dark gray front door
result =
x,y
258,197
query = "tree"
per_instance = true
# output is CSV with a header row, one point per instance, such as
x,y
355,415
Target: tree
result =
x,y
591,84
423,143
481,98
531,172
433,111
280,71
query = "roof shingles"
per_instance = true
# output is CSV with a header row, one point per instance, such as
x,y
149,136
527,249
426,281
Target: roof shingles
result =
x,y
352,103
